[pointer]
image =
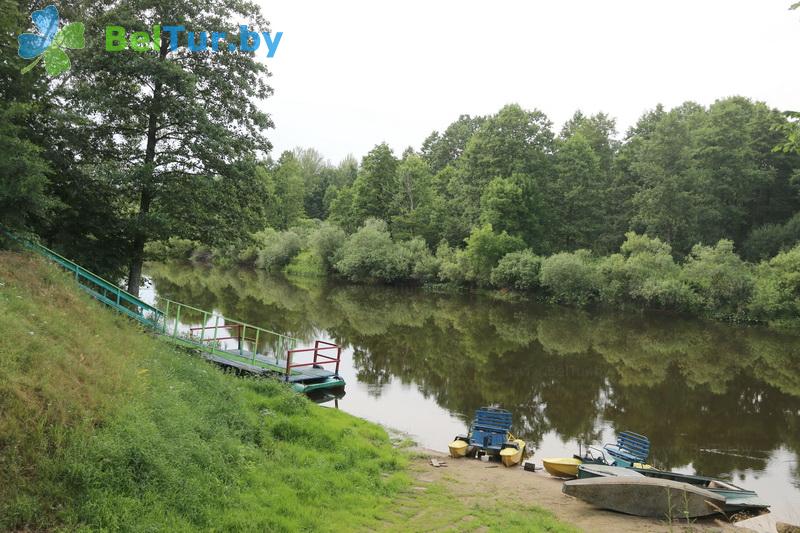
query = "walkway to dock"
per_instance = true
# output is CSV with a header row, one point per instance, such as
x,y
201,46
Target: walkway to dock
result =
x,y
227,342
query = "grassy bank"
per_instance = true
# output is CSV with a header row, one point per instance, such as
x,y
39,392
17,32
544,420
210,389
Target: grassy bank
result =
x,y
103,426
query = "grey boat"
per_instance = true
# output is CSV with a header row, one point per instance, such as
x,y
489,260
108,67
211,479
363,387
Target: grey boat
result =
x,y
646,496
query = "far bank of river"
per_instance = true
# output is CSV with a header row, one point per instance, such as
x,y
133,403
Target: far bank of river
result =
x,y
713,398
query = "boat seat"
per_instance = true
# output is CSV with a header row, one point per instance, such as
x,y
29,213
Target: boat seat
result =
x,y
630,448
490,428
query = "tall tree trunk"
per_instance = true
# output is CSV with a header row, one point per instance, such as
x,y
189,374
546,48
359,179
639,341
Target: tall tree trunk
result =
x,y
137,246
140,236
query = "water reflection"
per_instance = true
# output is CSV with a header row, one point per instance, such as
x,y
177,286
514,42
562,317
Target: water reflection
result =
x,y
721,399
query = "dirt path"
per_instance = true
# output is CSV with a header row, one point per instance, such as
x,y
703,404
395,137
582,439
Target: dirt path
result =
x,y
473,480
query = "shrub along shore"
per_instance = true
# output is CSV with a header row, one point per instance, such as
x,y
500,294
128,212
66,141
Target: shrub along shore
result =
x,y
711,281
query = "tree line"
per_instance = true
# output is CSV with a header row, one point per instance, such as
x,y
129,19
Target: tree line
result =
x,y
689,175
132,151
696,209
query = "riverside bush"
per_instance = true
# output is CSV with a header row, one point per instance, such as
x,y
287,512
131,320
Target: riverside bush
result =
x,y
370,255
484,249
277,249
645,273
570,277
713,280
722,281
776,292
452,264
425,265
518,271
326,241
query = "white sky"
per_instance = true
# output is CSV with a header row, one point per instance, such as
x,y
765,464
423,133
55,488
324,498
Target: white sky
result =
x,y
348,75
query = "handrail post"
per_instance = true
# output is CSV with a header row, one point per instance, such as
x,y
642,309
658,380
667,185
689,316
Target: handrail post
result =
x,y
288,363
338,358
255,348
242,333
216,327
177,320
166,317
203,329
316,347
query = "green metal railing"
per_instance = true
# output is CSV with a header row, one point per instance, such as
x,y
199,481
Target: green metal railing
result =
x,y
101,289
267,348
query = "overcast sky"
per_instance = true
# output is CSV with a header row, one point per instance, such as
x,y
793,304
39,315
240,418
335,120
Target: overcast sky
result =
x,y
348,75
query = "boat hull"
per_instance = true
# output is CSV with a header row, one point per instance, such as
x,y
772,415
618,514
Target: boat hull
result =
x,y
592,471
458,448
513,455
736,498
562,466
645,496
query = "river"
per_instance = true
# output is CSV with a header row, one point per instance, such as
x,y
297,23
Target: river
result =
x,y
714,399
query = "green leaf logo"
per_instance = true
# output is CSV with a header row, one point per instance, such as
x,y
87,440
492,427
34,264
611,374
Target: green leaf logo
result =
x,y
50,43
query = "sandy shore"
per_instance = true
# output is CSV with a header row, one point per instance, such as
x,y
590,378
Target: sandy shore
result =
x,y
473,480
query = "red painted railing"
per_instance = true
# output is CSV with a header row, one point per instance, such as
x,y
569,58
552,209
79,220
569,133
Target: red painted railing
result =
x,y
319,358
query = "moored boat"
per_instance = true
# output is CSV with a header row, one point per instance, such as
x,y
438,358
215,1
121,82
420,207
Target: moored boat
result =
x,y
562,466
490,434
459,447
646,496
512,453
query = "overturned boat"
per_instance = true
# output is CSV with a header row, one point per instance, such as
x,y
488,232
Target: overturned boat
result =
x,y
646,496
736,498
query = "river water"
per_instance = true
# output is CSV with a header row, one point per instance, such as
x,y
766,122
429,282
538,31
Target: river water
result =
x,y
714,399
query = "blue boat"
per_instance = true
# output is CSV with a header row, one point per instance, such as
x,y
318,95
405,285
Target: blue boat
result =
x,y
490,435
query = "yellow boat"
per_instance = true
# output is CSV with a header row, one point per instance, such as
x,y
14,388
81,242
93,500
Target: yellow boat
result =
x,y
562,466
458,448
513,455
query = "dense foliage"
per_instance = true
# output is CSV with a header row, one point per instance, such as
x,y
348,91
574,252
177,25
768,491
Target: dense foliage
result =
x,y
503,200
690,175
131,147
711,281
696,209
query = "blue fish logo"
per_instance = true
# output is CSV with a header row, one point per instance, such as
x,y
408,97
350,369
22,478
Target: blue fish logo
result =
x,y
50,43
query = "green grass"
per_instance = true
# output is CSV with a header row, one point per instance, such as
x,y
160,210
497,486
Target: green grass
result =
x,y
104,427
436,509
